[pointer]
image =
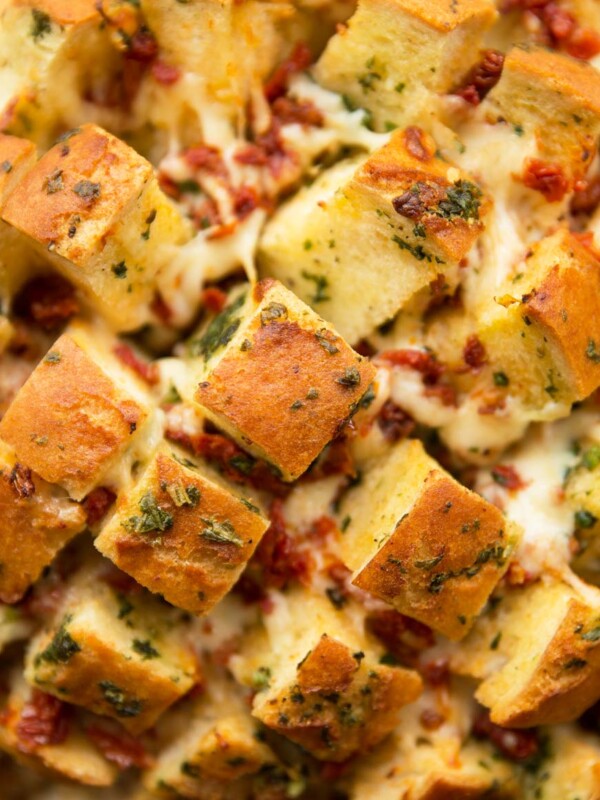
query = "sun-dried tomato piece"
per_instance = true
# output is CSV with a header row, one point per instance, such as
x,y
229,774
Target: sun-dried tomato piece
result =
x,y
119,747
416,143
142,46
213,298
165,74
302,112
507,476
482,78
97,503
161,309
48,301
546,178
583,43
394,422
419,360
515,744
474,354
336,459
20,481
205,158
299,60
403,637
436,672
587,198
43,721
245,201
127,355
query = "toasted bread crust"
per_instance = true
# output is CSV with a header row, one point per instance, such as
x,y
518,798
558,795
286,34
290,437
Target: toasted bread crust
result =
x,y
316,717
16,157
446,15
70,431
286,359
443,559
85,182
190,571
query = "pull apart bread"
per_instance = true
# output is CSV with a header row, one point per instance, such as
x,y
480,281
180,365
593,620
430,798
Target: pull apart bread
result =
x,y
299,399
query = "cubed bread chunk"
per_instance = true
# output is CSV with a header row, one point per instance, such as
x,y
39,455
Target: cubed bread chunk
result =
x,y
319,679
574,769
79,412
543,331
37,521
394,56
53,55
544,666
183,532
582,490
268,350
365,237
93,207
74,757
554,98
215,740
121,656
422,542
17,157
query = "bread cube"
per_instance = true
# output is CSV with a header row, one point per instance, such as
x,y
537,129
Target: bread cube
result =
x,y
544,667
267,350
47,515
213,740
183,532
75,758
225,52
364,238
319,679
78,414
53,55
555,99
574,769
394,56
422,542
17,157
121,656
93,207
543,332
582,490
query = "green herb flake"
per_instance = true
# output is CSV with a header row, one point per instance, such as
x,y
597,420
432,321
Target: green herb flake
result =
x,y
243,463
220,331
144,648
250,506
592,635
337,598
183,495
591,352
119,270
53,357
575,663
54,182
220,532
272,312
149,220
261,678
152,518
496,641
429,563
321,286
501,379
5,167
400,87
326,339
462,200
41,24
312,393
87,190
417,251
62,647
584,519
116,697
350,378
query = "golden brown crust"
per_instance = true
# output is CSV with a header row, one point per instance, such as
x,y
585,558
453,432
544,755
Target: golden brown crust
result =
x,y
76,193
443,559
307,377
566,305
64,12
566,679
69,422
446,15
333,726
190,570
572,77
42,525
462,787
406,168
16,157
